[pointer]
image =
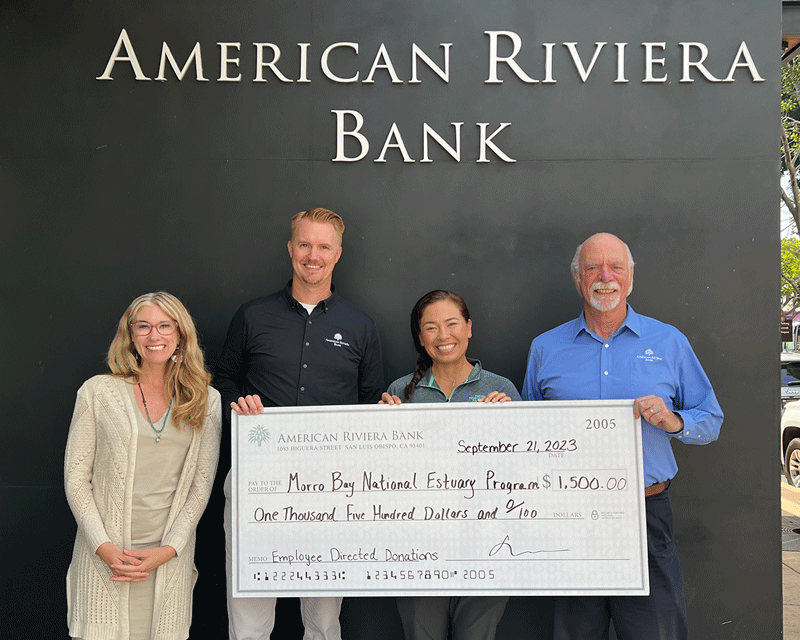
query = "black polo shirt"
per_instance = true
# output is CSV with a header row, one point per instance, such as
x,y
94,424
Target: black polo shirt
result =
x,y
276,349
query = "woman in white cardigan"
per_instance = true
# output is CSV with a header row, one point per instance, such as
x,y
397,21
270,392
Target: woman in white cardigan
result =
x,y
140,463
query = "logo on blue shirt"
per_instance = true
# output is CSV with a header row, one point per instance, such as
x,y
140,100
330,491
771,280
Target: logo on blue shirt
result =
x,y
650,357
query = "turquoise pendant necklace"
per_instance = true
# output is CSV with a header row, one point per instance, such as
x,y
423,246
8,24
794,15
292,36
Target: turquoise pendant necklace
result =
x,y
152,426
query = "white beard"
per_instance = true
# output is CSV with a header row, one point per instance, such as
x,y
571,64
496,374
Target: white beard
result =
x,y
604,303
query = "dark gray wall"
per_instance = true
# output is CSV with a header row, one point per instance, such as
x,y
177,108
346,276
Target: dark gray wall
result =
x,y
111,189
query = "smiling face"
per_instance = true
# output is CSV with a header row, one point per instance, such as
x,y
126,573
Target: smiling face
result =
x,y
444,333
605,275
154,349
315,248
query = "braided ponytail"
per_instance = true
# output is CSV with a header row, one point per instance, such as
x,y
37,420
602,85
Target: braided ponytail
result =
x,y
423,364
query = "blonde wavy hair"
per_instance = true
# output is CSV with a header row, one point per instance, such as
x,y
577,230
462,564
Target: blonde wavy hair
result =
x,y
186,378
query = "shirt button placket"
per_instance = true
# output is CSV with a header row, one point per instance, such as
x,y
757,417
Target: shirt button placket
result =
x,y
605,366
304,360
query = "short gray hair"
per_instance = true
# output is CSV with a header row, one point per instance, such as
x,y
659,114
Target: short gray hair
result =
x,y
576,259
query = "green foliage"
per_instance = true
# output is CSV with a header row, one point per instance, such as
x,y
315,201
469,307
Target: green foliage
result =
x,y
790,86
790,137
790,274
790,103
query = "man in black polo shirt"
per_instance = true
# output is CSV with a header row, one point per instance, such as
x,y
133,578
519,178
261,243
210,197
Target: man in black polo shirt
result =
x,y
303,345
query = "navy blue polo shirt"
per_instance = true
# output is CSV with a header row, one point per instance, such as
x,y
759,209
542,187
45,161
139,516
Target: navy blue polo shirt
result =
x,y
276,349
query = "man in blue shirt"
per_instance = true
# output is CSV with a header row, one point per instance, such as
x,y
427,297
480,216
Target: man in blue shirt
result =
x,y
611,352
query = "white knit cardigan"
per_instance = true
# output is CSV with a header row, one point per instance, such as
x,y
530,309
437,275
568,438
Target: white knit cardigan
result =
x,y
98,476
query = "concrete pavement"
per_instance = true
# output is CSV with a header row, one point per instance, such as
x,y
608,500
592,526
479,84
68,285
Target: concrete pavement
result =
x,y
790,524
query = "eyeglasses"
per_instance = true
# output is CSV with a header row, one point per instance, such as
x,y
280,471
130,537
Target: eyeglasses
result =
x,y
144,328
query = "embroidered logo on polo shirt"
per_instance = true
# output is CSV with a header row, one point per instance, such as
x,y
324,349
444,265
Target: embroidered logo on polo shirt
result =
x,y
337,340
649,356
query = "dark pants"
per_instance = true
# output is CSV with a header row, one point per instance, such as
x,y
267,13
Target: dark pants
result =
x,y
659,616
468,617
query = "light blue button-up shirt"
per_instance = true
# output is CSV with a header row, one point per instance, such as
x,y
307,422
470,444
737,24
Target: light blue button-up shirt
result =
x,y
644,357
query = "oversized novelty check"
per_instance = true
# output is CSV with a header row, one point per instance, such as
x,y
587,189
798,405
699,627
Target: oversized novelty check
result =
x,y
518,498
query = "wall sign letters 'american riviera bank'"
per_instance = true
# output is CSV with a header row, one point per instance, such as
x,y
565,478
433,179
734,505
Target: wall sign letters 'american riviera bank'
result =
x,y
542,65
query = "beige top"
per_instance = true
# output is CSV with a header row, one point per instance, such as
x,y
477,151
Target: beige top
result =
x,y
99,470
158,468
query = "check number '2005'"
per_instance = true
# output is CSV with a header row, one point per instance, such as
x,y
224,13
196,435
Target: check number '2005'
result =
x,y
600,424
